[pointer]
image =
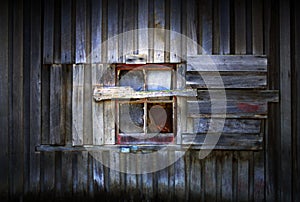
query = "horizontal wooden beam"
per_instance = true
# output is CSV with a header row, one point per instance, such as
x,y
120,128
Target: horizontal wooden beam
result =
x,y
227,141
110,93
227,63
240,95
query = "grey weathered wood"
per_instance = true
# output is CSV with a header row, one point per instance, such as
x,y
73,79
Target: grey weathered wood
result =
x,y
35,95
230,80
16,138
240,95
257,27
80,43
179,168
98,172
285,101
196,186
68,86
110,93
45,136
209,173
242,186
66,174
112,30
96,33
143,46
57,33
224,27
159,33
201,125
240,26
227,63
77,104
58,174
191,28
162,176
97,108
48,173
175,30
4,101
81,189
227,173
216,27
181,103
259,176
129,41
87,107
67,37
227,141
48,45
233,108
114,174
249,27
56,106
207,23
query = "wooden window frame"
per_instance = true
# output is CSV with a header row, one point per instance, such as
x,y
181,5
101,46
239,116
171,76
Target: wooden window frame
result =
x,y
160,138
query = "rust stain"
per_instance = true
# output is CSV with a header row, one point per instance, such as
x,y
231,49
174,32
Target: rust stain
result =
x,y
246,107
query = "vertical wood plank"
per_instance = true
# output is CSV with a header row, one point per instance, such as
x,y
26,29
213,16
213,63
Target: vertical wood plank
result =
x,y
56,106
162,176
45,104
227,176
296,93
257,27
47,174
17,99
96,34
216,27
179,168
48,44
142,26
57,32
114,175
249,26
35,95
196,186
82,174
80,46
210,178
159,33
68,83
224,27
147,179
175,28
285,101
191,28
66,174
67,37
98,173
207,23
4,101
112,30
58,174
77,104
97,108
240,26
181,103
243,176
87,107
259,177
128,21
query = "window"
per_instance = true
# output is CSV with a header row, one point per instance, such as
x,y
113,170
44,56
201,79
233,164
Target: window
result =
x,y
146,120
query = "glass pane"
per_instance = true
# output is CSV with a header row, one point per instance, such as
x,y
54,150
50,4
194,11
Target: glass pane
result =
x,y
131,118
132,78
160,118
159,80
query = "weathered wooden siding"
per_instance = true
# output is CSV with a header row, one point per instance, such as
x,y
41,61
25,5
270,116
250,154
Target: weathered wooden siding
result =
x,y
44,43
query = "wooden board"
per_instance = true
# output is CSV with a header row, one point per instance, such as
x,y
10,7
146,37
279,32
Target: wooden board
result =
x,y
159,33
239,109
77,104
80,46
67,38
228,63
202,125
48,47
4,101
240,26
229,80
96,32
175,30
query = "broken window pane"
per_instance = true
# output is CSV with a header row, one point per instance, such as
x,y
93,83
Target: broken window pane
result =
x,y
131,118
132,78
159,80
160,118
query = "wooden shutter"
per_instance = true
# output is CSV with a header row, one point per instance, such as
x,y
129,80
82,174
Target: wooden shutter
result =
x,y
245,82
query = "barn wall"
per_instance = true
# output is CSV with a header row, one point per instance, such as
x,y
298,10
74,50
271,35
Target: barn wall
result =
x,y
40,40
